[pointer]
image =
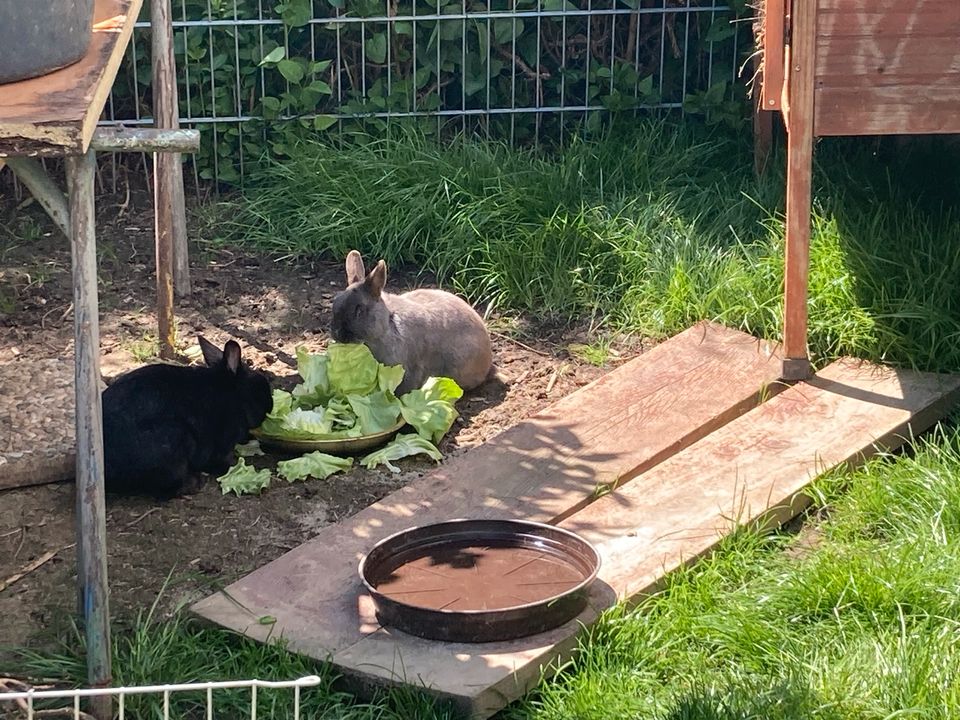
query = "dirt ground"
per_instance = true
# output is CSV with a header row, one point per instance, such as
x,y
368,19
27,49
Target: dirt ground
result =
x,y
208,540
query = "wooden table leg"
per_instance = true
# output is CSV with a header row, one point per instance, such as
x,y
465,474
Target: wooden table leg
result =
x,y
91,512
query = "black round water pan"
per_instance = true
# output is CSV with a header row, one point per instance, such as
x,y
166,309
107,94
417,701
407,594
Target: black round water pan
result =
x,y
40,36
479,580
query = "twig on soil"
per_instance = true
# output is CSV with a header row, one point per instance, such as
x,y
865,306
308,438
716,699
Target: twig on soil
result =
x,y
31,566
23,539
8,533
520,344
140,517
553,378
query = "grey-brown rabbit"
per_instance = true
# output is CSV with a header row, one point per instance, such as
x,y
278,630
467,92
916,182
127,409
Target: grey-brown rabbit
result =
x,y
432,333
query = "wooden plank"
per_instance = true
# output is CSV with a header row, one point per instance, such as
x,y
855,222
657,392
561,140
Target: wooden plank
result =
x,y
545,468
91,512
752,470
883,6
773,57
123,139
57,113
937,19
31,173
935,56
882,110
799,178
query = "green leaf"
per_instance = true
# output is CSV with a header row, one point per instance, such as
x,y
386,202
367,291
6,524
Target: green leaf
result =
x,y
430,409
389,377
319,87
442,388
290,70
296,13
352,369
319,66
308,421
243,479
377,412
376,47
314,369
403,446
282,403
249,449
316,464
274,56
322,122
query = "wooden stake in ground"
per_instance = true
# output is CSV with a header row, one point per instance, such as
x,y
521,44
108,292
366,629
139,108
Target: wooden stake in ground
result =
x,y
800,115
170,214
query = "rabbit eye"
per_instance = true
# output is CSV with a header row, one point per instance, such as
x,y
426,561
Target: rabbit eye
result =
x,y
358,311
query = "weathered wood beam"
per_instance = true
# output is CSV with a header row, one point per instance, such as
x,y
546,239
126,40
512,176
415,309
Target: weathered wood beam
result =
x,y
122,139
803,49
166,113
31,173
92,588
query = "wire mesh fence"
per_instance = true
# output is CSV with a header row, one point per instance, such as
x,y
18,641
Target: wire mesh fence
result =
x,y
255,74
252,698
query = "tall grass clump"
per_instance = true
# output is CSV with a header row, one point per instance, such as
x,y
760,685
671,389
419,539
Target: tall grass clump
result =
x,y
858,621
651,228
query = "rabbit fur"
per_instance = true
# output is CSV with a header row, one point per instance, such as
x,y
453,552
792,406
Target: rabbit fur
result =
x,y
164,424
432,333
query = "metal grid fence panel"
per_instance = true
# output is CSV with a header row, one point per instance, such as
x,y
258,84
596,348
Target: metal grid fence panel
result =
x,y
526,71
200,699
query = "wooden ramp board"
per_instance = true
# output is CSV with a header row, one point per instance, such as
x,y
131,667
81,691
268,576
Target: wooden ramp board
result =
x,y
56,114
545,468
753,469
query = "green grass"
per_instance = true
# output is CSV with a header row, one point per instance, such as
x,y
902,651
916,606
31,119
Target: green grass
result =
x,y
862,624
648,229
179,650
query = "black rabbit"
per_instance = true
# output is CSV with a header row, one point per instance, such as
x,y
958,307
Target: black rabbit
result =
x,y
430,332
164,424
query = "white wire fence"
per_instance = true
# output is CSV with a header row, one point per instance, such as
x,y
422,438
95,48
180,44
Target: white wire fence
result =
x,y
185,700
255,74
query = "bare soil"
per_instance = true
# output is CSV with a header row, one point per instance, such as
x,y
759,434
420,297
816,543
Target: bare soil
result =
x,y
208,540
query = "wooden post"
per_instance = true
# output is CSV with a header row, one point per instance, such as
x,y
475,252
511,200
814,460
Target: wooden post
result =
x,y
800,118
91,513
164,242
169,175
31,173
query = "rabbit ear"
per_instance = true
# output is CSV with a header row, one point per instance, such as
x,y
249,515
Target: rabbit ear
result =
x,y
212,355
231,356
355,270
377,279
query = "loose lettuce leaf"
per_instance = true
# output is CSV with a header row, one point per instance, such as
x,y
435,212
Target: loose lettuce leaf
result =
x,y
442,388
314,369
315,464
339,411
430,409
309,421
402,446
243,479
376,412
249,449
352,369
282,403
389,377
